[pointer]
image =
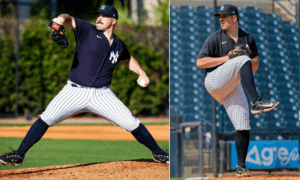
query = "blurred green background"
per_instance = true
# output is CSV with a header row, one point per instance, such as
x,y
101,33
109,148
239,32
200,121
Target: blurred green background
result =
x,y
44,67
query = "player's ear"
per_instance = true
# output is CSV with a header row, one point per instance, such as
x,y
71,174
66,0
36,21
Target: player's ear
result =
x,y
235,18
114,21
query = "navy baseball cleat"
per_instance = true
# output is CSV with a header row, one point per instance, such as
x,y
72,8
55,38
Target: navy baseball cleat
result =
x,y
162,157
242,171
13,158
263,106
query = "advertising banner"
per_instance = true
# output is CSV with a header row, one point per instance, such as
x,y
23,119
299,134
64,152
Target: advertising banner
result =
x,y
269,155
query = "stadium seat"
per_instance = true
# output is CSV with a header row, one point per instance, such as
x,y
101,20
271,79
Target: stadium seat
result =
x,y
175,77
187,12
241,9
289,24
175,22
190,38
175,30
195,117
191,48
291,108
190,60
257,23
256,138
207,15
176,91
189,68
175,39
292,46
253,16
187,76
175,69
277,53
192,92
274,31
176,101
253,9
290,31
188,30
174,12
276,46
293,53
204,8
291,38
191,108
274,38
257,32
205,23
273,17
291,116
175,59
191,85
243,16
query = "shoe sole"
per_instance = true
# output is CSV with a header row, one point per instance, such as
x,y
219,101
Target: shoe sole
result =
x,y
265,110
158,161
3,162
14,164
244,175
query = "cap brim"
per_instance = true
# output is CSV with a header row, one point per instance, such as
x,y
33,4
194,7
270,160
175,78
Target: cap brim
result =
x,y
97,13
100,12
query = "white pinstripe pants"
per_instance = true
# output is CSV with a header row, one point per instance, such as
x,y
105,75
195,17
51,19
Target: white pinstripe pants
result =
x,y
100,101
224,85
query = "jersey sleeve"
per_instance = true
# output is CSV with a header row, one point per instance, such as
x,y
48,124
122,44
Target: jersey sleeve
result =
x,y
125,53
207,49
253,47
81,31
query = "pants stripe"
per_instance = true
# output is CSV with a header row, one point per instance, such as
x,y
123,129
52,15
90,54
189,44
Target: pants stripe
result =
x,y
103,102
224,85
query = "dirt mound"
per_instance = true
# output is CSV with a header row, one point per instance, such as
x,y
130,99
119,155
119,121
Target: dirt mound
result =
x,y
259,177
125,170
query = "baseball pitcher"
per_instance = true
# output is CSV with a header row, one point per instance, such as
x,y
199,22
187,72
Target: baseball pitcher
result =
x,y
97,52
229,56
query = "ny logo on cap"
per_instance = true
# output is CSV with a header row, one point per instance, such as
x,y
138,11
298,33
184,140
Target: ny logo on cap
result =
x,y
233,12
222,8
103,7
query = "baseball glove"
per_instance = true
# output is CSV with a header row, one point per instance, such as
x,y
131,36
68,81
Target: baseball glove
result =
x,y
242,50
58,36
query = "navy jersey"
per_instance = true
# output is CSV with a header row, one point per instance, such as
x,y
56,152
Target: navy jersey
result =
x,y
220,43
94,58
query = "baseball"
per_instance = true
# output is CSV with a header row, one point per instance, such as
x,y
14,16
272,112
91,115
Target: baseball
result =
x,y
142,82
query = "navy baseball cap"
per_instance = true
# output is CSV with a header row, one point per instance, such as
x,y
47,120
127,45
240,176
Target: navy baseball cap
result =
x,y
107,10
228,9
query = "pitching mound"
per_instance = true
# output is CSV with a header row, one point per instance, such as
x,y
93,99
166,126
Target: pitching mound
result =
x,y
124,170
259,177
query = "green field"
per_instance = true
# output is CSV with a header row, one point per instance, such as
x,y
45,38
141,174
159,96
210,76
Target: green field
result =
x,y
52,152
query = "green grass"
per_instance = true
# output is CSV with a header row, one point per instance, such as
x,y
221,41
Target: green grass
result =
x,y
80,124
177,179
52,152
